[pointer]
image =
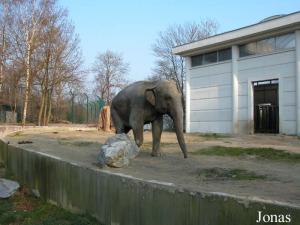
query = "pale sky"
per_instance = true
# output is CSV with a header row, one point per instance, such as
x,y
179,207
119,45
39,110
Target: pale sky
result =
x,y
130,27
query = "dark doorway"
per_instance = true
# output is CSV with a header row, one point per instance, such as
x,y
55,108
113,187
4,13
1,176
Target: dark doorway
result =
x,y
266,110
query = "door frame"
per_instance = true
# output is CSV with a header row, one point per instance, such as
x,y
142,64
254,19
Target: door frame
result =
x,y
251,99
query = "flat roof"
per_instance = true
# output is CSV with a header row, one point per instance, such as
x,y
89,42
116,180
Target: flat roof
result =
x,y
263,28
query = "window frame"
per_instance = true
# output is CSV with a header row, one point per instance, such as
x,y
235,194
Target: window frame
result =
x,y
207,53
275,48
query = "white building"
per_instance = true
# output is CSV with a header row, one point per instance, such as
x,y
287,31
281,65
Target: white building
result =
x,y
246,80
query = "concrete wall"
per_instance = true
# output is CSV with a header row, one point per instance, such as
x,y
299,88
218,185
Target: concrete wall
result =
x,y
114,198
211,98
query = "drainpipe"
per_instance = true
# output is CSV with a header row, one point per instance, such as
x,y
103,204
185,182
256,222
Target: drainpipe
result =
x,y
187,95
235,90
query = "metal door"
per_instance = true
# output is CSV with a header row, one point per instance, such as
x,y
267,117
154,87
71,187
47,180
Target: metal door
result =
x,y
266,110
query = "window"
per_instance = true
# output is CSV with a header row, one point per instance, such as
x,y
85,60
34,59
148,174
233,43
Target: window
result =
x,y
285,41
197,60
224,54
211,57
247,49
267,45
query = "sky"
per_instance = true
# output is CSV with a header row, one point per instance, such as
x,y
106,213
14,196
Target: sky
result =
x,y
131,27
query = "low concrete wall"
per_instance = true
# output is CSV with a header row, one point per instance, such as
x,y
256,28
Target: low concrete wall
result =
x,y
119,199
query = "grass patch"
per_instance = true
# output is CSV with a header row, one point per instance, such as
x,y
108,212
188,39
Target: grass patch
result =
x,y
228,174
212,135
17,134
262,153
23,209
67,141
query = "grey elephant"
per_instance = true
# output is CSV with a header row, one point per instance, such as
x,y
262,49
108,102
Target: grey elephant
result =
x,y
146,102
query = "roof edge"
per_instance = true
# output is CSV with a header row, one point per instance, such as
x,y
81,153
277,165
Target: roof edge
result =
x,y
240,33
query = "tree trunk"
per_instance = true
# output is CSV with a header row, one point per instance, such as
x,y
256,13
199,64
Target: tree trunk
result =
x,y
49,108
2,59
45,108
27,81
41,108
105,117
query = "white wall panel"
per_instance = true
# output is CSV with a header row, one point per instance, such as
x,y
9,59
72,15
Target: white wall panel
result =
x,y
211,115
267,60
212,92
212,103
213,80
289,113
288,127
289,98
288,83
282,70
212,127
212,69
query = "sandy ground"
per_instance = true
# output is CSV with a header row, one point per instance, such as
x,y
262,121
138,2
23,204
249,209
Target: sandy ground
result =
x,y
281,183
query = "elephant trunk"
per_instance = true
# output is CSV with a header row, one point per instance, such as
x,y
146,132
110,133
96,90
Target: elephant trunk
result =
x,y
177,116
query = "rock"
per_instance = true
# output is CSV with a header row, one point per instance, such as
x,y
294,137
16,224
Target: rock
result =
x,y
117,151
8,188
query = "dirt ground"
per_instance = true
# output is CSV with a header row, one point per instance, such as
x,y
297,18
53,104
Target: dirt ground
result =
x,y
274,180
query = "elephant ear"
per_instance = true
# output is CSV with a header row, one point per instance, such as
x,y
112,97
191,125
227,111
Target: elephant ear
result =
x,y
150,96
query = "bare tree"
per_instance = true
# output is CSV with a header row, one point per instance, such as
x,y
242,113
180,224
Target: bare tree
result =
x,y
5,19
60,59
110,70
172,67
25,32
40,51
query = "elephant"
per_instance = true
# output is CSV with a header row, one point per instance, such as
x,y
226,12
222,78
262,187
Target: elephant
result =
x,y
145,102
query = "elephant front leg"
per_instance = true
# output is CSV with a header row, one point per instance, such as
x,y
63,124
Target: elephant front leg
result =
x,y
157,127
137,128
138,133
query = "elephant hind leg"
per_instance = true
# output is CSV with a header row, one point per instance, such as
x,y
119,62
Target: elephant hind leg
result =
x,y
119,125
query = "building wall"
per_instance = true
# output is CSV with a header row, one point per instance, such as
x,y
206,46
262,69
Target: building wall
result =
x,y
211,93
211,98
280,65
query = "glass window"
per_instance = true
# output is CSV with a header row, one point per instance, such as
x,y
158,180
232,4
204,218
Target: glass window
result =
x,y
210,58
247,49
285,41
224,54
197,60
266,45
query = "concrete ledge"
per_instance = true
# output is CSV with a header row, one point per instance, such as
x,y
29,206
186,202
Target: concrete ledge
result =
x,y
114,198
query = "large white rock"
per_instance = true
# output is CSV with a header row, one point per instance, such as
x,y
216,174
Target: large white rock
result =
x,y
8,188
117,151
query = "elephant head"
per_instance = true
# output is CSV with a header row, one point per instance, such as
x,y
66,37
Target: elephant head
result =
x,y
166,98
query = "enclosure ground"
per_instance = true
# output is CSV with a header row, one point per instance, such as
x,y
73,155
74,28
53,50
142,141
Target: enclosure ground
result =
x,y
252,172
